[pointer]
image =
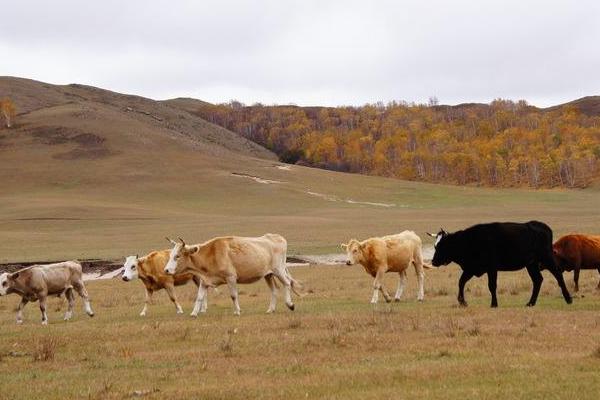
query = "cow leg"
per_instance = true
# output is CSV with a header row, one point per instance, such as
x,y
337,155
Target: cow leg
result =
x,y
270,279
200,299
462,281
401,283
287,286
563,287
536,278
147,301
22,304
171,292
71,301
492,282
378,286
198,282
42,299
576,278
420,281
82,291
232,284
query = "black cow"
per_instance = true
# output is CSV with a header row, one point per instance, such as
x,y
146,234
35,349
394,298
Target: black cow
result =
x,y
499,246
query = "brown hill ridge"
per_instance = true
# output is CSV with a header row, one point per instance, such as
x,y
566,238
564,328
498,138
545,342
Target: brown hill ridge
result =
x,y
109,122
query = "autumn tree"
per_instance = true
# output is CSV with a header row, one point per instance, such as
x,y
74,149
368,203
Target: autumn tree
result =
x,y
8,111
504,143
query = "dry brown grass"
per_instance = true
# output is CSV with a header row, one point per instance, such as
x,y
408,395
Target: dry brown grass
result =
x,y
335,345
45,349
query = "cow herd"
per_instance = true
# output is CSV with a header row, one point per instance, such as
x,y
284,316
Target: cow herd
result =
x,y
478,250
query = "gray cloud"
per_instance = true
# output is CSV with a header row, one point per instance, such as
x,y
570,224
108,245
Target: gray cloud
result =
x,y
311,52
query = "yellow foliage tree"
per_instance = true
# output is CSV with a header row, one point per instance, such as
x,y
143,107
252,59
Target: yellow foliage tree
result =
x,y
8,111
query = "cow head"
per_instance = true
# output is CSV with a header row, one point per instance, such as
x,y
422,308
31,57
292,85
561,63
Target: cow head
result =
x,y
442,255
353,252
4,284
179,256
130,268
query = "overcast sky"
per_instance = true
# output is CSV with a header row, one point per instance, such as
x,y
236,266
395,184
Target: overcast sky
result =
x,y
310,52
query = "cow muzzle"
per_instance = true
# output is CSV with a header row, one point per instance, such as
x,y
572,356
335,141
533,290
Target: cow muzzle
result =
x,y
126,279
348,263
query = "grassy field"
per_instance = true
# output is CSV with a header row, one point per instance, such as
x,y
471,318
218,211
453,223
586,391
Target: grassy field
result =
x,y
335,345
116,217
94,174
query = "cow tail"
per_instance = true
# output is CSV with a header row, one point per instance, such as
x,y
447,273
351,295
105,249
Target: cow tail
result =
x,y
297,286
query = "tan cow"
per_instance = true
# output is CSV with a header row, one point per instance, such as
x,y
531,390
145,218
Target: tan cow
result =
x,y
232,260
393,253
150,269
37,282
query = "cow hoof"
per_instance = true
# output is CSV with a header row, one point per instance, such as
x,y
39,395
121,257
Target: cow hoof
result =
x,y
530,304
237,313
269,311
463,304
179,311
44,322
291,306
396,300
569,300
388,300
194,314
19,322
142,314
420,300
494,306
91,314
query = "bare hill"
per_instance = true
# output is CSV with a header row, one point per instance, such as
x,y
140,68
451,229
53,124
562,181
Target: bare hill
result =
x,y
589,105
47,112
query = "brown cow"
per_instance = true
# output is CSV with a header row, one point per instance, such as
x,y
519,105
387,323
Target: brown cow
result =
x,y
575,252
150,270
393,253
231,260
40,281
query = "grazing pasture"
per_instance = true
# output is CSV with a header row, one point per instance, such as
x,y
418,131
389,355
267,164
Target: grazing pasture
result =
x,y
335,345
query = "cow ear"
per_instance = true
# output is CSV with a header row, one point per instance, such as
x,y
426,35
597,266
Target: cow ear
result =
x,y
192,249
14,275
343,245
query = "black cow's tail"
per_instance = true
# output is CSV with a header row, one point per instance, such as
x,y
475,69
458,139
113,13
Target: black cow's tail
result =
x,y
543,244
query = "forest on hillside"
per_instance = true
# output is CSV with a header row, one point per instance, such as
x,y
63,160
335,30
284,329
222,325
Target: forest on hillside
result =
x,y
504,143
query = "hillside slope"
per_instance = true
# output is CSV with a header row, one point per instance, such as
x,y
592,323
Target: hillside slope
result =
x,y
91,173
89,108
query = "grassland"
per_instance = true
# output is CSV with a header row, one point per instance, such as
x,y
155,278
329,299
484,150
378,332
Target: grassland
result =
x,y
335,345
131,178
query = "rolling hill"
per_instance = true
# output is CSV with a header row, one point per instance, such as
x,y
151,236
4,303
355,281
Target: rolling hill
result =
x,y
88,172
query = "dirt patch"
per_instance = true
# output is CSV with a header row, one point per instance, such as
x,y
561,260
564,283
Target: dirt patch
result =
x,y
89,154
350,201
255,178
90,266
89,145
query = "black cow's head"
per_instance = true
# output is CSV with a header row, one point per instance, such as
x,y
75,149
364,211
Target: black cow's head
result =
x,y
442,255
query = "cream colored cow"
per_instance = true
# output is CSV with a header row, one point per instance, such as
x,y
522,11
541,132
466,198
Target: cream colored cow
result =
x,y
232,260
393,253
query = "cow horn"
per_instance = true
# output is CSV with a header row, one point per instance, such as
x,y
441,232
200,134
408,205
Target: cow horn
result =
x,y
431,234
170,240
181,240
